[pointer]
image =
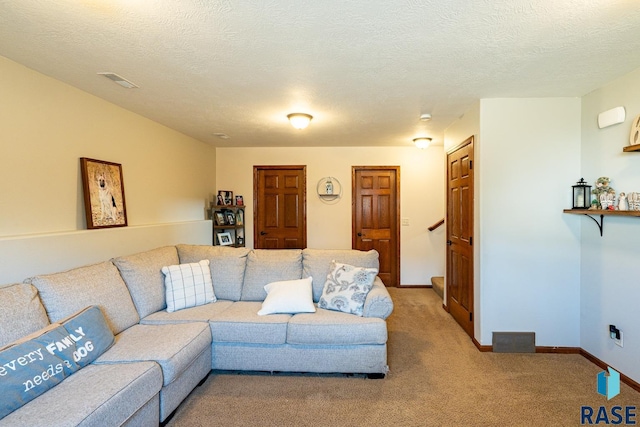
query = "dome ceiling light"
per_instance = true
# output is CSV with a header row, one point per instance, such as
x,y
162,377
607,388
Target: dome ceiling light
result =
x,y
422,142
299,120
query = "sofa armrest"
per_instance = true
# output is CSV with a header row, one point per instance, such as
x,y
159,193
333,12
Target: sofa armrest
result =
x,y
378,302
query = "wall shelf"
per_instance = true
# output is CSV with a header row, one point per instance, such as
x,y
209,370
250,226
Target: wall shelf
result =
x,y
329,189
630,148
602,213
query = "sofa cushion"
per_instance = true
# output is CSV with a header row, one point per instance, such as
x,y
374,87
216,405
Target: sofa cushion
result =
x,y
289,296
347,288
201,313
188,285
21,312
173,346
326,327
269,265
66,293
316,263
240,323
142,274
227,267
40,361
98,395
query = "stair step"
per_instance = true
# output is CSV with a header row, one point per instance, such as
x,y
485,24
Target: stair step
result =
x,y
438,285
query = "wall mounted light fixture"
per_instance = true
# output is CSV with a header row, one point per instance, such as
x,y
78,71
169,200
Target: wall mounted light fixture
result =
x,y
299,120
422,142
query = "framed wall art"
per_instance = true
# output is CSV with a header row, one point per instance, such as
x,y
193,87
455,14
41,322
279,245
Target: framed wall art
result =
x,y
103,189
224,239
225,198
231,218
219,218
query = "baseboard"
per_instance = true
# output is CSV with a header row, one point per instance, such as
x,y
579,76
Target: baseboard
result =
x,y
625,379
570,350
415,286
558,350
482,348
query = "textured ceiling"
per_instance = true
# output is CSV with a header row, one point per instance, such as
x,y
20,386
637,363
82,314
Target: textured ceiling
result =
x,y
365,70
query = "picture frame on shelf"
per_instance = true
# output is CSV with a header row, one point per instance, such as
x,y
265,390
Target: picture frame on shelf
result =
x,y
239,217
219,218
103,189
239,200
225,198
230,218
224,239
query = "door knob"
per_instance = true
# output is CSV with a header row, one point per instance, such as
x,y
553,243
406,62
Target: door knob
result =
x,y
449,242
262,233
359,234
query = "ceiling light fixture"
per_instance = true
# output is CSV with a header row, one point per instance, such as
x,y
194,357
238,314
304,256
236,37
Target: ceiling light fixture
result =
x,y
422,142
119,79
299,120
425,117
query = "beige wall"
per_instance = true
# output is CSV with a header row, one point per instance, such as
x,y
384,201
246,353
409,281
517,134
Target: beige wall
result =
x,y
45,127
329,224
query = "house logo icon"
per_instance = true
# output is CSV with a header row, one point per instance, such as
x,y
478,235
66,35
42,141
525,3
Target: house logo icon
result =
x,y
609,385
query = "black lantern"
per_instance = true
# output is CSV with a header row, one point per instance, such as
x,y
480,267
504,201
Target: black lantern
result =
x,y
581,195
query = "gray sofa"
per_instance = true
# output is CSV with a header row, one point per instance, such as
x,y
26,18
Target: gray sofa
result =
x,y
160,356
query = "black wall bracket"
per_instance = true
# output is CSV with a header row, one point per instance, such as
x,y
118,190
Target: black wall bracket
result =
x,y
600,224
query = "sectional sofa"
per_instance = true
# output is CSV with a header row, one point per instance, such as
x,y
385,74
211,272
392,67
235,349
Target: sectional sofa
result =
x,y
136,356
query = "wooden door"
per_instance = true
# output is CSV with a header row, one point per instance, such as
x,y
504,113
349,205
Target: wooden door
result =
x,y
376,216
460,234
279,209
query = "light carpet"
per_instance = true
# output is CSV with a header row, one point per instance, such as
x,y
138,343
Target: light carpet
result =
x,y
437,378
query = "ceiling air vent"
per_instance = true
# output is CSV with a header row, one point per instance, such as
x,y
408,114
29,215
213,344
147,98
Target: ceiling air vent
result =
x,y
120,80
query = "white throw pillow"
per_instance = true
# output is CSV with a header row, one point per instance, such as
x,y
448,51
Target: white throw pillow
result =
x,y
188,285
347,288
288,296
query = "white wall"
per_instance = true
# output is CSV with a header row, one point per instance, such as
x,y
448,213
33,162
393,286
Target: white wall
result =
x,y
329,224
610,266
527,262
46,126
530,278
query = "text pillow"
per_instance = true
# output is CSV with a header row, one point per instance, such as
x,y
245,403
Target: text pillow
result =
x,y
95,336
288,296
188,285
31,366
347,288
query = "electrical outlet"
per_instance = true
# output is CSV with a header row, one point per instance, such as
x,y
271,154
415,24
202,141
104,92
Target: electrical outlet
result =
x,y
616,335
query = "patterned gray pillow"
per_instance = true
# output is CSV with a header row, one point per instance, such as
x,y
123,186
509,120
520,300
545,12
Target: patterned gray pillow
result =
x,y
347,287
